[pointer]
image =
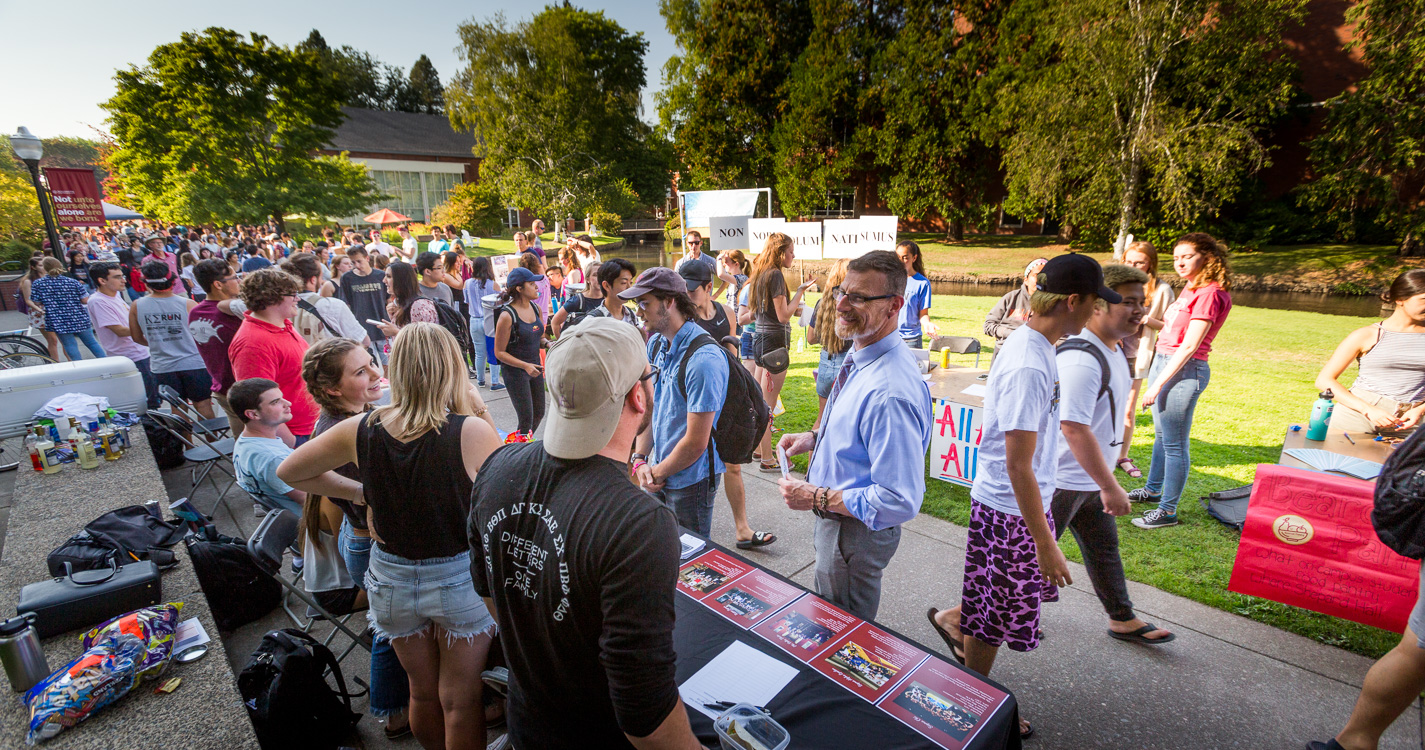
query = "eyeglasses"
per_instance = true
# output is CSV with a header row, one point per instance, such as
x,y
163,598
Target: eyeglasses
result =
x,y
856,300
695,244
653,372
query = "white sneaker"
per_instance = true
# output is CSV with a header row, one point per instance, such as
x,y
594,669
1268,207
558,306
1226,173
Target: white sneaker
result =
x,y
500,743
258,511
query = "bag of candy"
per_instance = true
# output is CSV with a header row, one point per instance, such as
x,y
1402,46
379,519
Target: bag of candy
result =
x,y
101,675
154,626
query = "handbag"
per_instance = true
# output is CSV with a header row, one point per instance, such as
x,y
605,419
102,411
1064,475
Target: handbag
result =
x,y
86,598
125,534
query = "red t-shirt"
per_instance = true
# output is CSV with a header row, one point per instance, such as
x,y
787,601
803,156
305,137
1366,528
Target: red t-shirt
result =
x,y
1209,302
262,350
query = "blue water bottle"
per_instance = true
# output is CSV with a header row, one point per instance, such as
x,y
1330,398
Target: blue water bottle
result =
x,y
1320,416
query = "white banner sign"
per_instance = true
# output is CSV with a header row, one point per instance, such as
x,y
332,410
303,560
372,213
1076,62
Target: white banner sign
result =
x,y
807,236
842,239
701,205
878,233
758,230
727,233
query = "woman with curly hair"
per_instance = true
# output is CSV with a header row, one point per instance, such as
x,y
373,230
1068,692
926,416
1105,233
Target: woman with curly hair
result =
x,y
1180,373
774,311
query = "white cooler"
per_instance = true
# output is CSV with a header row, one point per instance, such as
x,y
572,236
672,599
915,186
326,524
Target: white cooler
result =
x,y
24,390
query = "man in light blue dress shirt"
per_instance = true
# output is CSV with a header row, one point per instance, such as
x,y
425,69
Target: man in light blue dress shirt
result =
x,y
867,475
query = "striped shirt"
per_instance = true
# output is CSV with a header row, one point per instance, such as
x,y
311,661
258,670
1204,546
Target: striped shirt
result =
x,y
1395,366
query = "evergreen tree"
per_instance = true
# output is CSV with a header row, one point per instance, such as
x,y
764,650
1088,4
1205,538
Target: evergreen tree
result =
x,y
427,94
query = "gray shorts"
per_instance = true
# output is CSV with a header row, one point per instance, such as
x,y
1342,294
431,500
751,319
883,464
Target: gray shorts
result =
x,y
407,597
1417,615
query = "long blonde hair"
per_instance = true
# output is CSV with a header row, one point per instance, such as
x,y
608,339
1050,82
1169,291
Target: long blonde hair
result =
x,y
826,311
429,381
768,262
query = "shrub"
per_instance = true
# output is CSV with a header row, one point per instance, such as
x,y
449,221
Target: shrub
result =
x,y
17,250
673,228
473,207
607,223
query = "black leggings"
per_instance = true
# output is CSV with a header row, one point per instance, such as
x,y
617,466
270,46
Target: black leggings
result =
x,y
527,396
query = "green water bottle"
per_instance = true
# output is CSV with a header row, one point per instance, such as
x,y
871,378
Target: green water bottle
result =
x,y
1320,416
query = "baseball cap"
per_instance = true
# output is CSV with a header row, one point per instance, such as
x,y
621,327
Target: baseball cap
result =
x,y
1076,274
656,279
520,275
1034,265
589,371
695,274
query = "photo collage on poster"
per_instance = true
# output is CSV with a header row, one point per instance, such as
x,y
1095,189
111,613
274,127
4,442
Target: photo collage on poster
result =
x,y
943,702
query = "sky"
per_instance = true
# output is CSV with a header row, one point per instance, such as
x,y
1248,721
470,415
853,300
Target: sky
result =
x,y
56,77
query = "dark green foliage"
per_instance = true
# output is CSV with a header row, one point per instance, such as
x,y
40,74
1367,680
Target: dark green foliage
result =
x,y
426,93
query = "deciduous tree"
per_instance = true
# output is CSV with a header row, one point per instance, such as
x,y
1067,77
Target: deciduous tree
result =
x,y
217,127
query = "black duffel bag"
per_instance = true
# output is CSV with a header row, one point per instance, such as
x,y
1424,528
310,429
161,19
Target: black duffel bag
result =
x,y
125,534
1399,513
238,591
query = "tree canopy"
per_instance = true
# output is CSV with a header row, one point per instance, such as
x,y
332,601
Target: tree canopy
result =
x,y
554,104
371,84
1368,157
218,127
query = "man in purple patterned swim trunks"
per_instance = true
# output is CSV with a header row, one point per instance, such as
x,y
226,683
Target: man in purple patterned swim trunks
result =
x,y
1012,561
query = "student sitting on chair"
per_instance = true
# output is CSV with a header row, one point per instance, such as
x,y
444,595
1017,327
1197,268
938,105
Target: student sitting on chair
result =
x,y
258,452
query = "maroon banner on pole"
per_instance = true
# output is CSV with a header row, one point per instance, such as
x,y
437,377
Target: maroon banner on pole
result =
x,y
77,201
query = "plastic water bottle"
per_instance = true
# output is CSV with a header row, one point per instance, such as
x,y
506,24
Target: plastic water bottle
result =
x,y
1320,416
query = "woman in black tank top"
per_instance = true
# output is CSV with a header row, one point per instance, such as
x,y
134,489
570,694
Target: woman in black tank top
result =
x,y
416,461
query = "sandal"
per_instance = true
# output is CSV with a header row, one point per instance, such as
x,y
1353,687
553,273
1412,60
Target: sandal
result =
x,y
957,647
1026,730
1129,468
759,539
770,467
1138,636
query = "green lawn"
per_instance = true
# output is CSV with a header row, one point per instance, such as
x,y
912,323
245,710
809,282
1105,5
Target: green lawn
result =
x,y
1263,365
1001,256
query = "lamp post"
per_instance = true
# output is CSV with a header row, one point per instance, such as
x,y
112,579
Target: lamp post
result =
x,y
30,149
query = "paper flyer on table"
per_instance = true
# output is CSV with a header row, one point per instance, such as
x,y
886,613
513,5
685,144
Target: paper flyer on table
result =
x,y
691,546
752,597
868,661
740,674
806,626
709,572
946,704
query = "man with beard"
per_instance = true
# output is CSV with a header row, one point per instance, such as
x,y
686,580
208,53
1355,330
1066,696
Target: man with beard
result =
x,y
867,476
577,564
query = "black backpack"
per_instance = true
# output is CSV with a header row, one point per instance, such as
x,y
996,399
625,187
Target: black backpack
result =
x,y
744,414
238,591
167,449
1399,513
1084,345
451,320
288,698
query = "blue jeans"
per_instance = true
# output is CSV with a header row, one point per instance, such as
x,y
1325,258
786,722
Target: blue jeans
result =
x,y
915,342
693,505
495,378
150,384
390,688
482,355
71,341
1172,419
826,371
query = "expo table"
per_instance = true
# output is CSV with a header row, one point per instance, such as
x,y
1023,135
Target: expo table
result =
x,y
1308,540
206,711
957,406
857,684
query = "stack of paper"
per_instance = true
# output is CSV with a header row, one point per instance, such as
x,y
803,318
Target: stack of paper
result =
x,y
1328,461
691,545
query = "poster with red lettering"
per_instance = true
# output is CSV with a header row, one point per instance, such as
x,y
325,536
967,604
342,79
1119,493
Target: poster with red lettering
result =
x,y
76,197
709,572
955,441
947,704
752,597
1308,542
807,626
868,661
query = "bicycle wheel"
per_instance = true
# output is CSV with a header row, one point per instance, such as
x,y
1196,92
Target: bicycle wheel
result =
x,y
14,360
19,342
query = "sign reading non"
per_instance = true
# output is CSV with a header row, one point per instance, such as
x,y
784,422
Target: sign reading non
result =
x,y
77,202
727,233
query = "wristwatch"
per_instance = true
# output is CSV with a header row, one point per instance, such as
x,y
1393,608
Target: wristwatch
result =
x,y
637,457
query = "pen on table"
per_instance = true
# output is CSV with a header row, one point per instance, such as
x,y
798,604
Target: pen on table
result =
x,y
1348,437
724,705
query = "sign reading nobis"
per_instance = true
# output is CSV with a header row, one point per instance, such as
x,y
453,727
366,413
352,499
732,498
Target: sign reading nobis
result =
x,y
833,238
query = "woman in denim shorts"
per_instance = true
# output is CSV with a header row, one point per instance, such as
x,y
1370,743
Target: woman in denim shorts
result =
x,y
421,596
823,332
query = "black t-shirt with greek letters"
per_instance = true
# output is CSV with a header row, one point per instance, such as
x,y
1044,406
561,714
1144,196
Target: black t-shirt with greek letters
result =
x,y
582,566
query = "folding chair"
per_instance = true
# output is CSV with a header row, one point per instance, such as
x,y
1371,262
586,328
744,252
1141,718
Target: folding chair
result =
x,y
211,429
267,546
206,456
957,345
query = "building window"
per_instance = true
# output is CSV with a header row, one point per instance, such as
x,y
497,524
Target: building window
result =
x,y
1009,220
512,217
438,186
840,204
405,191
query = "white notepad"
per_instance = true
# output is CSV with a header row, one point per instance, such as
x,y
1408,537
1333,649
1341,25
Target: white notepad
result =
x,y
740,674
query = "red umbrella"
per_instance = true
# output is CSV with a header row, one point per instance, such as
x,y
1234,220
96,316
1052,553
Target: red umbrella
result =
x,y
386,216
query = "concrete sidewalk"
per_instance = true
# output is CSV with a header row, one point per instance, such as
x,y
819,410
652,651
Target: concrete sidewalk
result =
x,y
1227,682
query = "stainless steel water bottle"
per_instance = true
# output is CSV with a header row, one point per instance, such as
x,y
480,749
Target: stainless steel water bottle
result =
x,y
20,651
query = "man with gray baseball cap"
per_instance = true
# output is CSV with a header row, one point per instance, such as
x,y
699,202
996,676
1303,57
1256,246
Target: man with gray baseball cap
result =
x,y
578,564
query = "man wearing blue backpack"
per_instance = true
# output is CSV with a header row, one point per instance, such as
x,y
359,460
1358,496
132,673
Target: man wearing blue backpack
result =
x,y
674,458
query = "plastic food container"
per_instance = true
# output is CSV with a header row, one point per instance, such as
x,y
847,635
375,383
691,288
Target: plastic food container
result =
x,y
743,727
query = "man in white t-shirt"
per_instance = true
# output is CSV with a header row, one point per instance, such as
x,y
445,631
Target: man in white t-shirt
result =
x,y
109,311
1012,562
1095,386
378,245
410,246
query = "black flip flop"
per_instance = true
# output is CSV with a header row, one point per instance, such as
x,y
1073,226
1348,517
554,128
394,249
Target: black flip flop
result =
x,y
759,539
1026,731
1137,636
957,648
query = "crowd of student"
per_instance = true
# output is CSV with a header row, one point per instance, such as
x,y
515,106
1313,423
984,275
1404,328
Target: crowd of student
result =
x,y
565,549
